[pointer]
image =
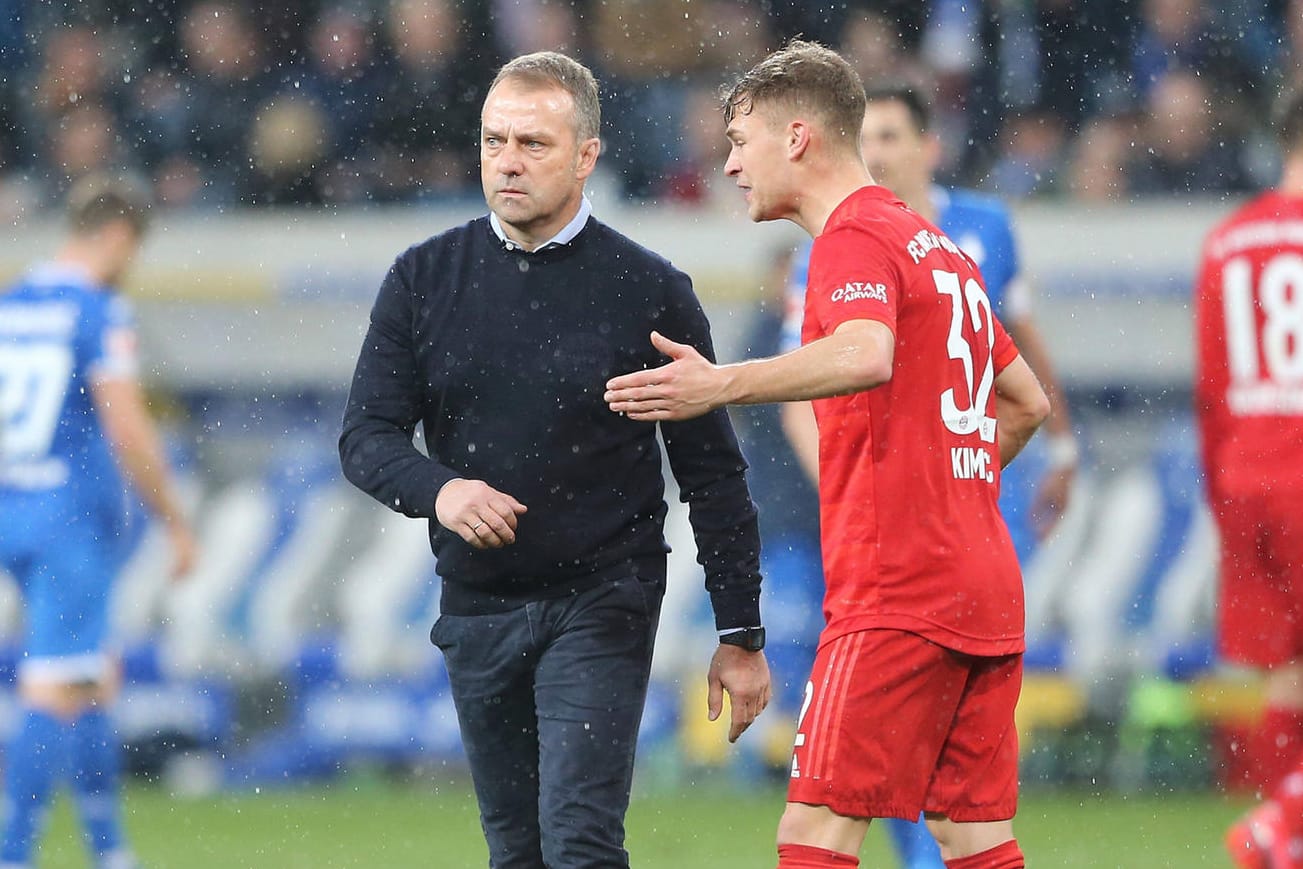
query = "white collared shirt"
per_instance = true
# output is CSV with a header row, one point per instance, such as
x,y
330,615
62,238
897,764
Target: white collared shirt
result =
x,y
566,234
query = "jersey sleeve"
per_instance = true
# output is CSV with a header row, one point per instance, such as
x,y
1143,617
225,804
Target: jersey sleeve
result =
x,y
852,277
111,344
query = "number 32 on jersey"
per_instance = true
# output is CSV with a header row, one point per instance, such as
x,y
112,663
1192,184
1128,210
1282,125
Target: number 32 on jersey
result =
x,y
963,409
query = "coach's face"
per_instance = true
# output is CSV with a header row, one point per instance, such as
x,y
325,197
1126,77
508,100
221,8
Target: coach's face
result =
x,y
532,164
758,161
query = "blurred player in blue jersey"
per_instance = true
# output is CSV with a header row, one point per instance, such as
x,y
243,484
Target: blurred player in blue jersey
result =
x,y
73,424
902,155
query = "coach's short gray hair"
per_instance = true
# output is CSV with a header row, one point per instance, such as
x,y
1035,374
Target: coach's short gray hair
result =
x,y
554,68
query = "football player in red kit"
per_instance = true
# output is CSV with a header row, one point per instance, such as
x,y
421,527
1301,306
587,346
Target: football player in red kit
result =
x,y
1249,402
921,398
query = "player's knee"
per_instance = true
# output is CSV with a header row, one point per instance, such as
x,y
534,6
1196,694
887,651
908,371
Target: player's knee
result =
x,y
966,839
1006,855
962,841
792,826
803,824
65,700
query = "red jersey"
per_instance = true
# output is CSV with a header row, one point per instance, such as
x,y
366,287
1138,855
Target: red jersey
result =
x,y
909,472
1249,369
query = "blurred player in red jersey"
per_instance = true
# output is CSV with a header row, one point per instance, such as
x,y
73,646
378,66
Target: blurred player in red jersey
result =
x,y
1249,401
921,398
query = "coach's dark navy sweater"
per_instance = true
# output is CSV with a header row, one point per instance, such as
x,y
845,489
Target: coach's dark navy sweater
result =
x,y
503,357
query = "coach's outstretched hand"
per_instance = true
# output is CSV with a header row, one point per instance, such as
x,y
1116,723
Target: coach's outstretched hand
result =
x,y
745,676
689,386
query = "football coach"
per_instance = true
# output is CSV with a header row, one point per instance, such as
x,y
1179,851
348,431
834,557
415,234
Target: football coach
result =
x,y
546,510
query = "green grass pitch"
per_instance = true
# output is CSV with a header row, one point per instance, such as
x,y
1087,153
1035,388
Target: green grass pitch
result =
x,y
364,822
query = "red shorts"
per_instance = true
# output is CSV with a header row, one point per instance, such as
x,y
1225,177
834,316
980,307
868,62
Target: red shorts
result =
x,y
894,725
1260,598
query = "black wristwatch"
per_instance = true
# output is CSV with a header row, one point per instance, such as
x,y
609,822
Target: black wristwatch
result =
x,y
751,639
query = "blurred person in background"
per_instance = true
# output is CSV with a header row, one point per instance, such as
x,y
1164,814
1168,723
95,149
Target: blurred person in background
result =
x,y
878,48
1191,36
290,154
155,118
430,74
526,26
342,76
225,77
1190,147
1031,154
924,597
82,140
75,69
1249,408
694,177
902,153
546,512
1097,166
73,425
1292,64
646,54
1078,62
69,111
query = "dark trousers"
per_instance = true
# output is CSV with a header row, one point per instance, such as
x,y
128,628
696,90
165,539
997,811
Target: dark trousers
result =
x,y
549,698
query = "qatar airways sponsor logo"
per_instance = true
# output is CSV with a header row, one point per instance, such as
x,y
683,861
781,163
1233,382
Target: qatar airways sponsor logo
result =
x,y
854,291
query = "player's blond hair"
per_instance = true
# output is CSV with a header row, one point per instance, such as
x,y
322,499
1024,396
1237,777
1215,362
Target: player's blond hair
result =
x,y
804,76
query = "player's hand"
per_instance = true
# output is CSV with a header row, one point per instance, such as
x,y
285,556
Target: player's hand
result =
x,y
185,549
688,386
478,513
745,676
1052,496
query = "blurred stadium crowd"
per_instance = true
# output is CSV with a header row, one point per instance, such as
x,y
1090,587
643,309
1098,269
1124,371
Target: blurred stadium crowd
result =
x,y
374,101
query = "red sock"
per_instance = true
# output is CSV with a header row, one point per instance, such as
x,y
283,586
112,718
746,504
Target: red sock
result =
x,y
1277,742
810,857
1006,856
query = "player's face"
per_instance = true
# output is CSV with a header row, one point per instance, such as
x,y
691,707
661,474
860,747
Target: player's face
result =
x,y
757,161
532,165
120,242
900,156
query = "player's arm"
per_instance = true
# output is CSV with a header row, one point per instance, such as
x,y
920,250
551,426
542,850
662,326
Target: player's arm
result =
x,y
803,434
138,448
855,357
1020,408
1056,485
